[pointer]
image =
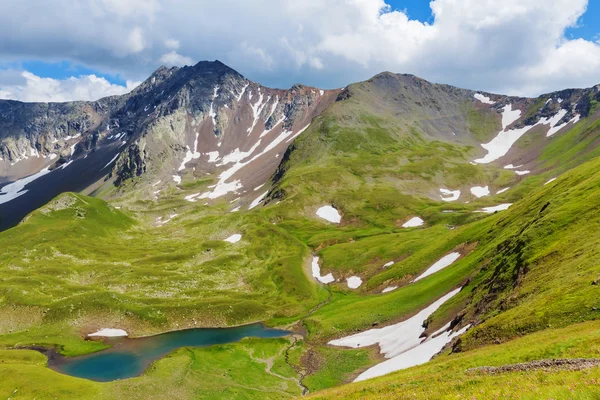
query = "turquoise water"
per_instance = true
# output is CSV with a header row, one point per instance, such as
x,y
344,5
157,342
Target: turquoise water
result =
x,y
131,357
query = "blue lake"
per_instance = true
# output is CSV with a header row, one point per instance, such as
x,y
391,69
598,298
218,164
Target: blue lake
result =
x,y
131,357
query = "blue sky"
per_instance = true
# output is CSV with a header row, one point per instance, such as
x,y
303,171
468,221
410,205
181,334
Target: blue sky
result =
x,y
520,47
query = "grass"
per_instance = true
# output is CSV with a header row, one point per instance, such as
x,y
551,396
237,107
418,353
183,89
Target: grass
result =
x,y
446,377
250,369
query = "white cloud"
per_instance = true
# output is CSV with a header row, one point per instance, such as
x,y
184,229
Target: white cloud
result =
x,y
174,58
508,46
34,88
172,44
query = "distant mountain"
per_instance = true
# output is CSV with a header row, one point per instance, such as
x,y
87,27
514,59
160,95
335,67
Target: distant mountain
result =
x,y
178,121
187,123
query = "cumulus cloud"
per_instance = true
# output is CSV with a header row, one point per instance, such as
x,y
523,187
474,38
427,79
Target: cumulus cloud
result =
x,y
173,58
508,46
30,87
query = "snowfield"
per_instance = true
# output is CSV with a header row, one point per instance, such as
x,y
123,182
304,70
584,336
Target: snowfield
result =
x,y
401,343
502,143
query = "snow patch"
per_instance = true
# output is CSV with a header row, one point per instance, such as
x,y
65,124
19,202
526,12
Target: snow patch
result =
x,y
454,194
111,161
177,179
509,116
354,282
503,142
480,191
394,340
13,190
502,190
418,355
234,238
223,187
330,214
483,99
442,263
316,271
550,181
413,223
521,173
388,264
109,332
389,289
192,197
258,200
491,210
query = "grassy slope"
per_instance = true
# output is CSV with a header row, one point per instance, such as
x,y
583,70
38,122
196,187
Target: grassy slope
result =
x,y
447,377
71,270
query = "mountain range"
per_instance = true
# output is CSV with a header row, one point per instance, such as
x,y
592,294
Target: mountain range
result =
x,y
383,224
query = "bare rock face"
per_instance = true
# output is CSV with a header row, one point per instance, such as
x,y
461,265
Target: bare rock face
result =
x,y
221,111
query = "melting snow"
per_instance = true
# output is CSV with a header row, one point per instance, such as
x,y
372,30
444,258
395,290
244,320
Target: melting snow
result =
x,y
177,179
502,190
192,197
330,214
213,156
454,195
109,332
521,173
395,340
234,238
258,200
257,109
413,223
235,210
480,191
388,264
316,271
503,142
111,161
389,289
550,181
239,98
223,187
13,190
354,282
483,99
557,128
442,263
509,116
510,166
491,210
418,355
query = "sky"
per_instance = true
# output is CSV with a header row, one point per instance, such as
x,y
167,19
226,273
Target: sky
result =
x,y
63,50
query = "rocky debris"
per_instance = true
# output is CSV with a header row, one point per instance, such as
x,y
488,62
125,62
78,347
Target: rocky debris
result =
x,y
564,364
